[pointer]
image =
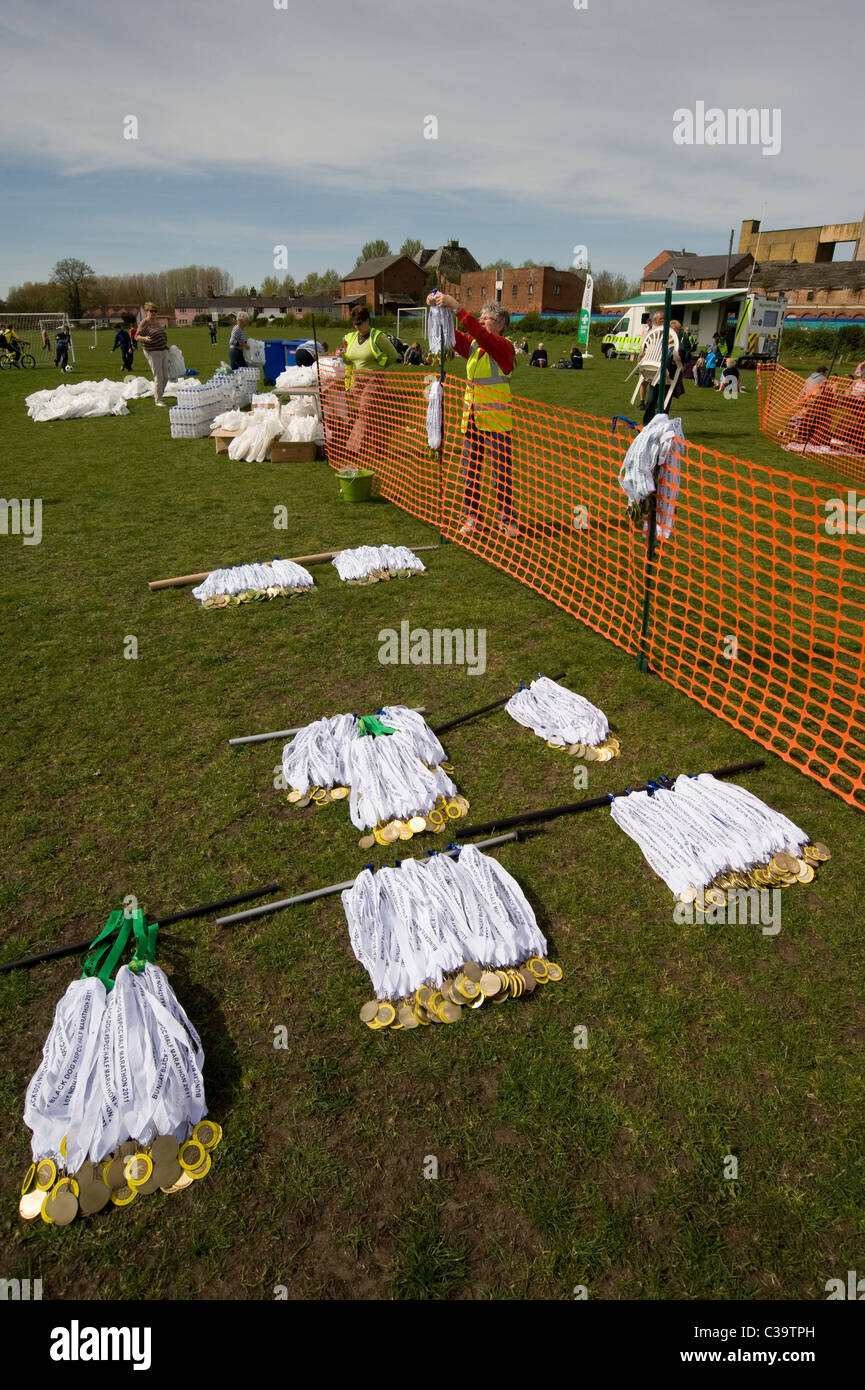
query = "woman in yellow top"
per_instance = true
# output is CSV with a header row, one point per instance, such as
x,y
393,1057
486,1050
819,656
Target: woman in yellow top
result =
x,y
367,352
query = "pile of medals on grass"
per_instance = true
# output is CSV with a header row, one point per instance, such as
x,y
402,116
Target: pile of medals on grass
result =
x,y
705,837
472,987
441,935
116,1107
226,588
135,1170
390,765
566,720
781,871
369,564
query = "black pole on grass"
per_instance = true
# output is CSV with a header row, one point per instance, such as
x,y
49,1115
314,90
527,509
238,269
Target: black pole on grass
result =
x,y
203,910
266,909
660,406
573,808
443,540
484,709
320,400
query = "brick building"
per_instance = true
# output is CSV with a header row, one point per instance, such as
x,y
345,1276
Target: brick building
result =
x,y
386,283
694,272
539,289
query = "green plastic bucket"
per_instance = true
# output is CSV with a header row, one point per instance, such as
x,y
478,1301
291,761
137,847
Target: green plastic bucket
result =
x,y
356,485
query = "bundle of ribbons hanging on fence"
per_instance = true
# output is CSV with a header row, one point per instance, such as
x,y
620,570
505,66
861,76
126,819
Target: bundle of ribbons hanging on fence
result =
x,y
740,598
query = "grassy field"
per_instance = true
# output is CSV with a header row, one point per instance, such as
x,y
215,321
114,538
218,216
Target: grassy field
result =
x,y
557,1167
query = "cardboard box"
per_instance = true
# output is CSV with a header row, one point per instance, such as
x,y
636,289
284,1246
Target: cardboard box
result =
x,y
283,451
223,439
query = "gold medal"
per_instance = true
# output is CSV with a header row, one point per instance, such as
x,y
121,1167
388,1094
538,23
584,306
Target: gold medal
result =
x,y
416,824
472,971
451,1013
61,1206
339,793
490,984
367,842
31,1203
369,1011
379,838
208,1133
406,834
202,1170
294,795
185,1180
386,1014
191,1155
389,834
164,1148
528,980
687,895
806,874
554,971
452,811
123,1196
46,1174
137,1169
29,1179
822,852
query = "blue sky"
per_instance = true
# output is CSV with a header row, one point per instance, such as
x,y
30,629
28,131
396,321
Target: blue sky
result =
x,y
304,126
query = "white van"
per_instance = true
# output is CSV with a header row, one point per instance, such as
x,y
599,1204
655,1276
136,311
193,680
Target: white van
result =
x,y
750,323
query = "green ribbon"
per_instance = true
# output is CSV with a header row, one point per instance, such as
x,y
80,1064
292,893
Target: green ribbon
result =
x,y
106,949
145,942
371,724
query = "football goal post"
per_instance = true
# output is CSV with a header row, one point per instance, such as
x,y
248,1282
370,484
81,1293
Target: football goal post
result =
x,y
406,317
30,328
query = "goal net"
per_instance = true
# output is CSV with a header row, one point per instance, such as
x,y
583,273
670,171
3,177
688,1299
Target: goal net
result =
x,y
30,328
415,317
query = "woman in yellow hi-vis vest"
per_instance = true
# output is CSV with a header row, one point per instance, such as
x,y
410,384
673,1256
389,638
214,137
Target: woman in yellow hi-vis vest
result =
x,y
486,418
367,352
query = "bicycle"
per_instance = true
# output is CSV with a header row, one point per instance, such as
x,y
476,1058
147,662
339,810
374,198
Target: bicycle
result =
x,y
24,359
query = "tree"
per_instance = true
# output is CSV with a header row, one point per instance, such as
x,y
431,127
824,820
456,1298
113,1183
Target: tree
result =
x,y
411,247
34,295
319,284
74,276
241,289
612,288
269,287
371,250
288,286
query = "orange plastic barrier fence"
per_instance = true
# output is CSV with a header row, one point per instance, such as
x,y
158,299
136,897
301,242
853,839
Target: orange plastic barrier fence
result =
x,y
758,590
816,416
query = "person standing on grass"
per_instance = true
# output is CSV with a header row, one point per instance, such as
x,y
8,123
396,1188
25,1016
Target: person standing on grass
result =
x,y
237,343
63,339
123,341
367,353
46,341
212,327
154,339
486,418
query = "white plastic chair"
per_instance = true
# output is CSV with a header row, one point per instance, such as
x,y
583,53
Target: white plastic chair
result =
x,y
648,366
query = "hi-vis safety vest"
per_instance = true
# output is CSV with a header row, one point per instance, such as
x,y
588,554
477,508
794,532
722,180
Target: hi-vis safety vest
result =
x,y
380,356
488,393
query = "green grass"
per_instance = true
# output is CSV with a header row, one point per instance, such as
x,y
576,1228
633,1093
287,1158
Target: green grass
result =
x,y
557,1167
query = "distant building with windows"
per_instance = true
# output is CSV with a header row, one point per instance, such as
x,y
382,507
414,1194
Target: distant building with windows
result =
x,y
539,289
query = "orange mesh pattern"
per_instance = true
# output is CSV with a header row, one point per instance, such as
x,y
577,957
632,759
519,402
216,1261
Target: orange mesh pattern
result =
x,y
827,422
758,612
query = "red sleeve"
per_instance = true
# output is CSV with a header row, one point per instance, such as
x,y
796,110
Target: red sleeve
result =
x,y
462,343
499,349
